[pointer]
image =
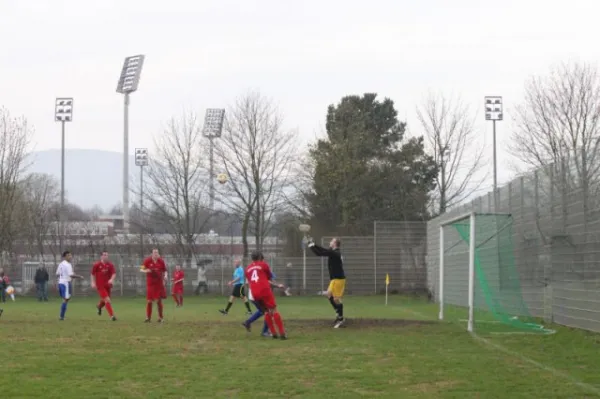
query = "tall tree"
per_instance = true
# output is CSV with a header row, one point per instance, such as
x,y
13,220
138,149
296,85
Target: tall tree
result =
x,y
176,190
557,127
366,169
15,136
450,135
257,154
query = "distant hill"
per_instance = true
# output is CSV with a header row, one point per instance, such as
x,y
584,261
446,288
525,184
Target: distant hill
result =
x,y
92,177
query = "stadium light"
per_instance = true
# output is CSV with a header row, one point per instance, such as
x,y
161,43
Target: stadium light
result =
x,y
213,127
493,112
128,83
141,160
63,113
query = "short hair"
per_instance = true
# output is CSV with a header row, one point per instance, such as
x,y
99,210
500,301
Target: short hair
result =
x,y
256,256
103,251
64,254
338,242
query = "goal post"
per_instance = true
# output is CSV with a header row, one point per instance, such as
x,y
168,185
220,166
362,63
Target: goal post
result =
x,y
478,278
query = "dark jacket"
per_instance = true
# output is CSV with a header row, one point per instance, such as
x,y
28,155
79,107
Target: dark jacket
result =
x,y
41,276
335,262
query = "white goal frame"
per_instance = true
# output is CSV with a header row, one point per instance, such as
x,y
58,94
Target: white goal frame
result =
x,y
472,239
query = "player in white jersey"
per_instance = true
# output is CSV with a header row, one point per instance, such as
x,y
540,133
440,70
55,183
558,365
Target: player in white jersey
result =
x,y
65,275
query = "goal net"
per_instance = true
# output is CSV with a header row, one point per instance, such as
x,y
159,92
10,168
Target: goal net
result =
x,y
479,281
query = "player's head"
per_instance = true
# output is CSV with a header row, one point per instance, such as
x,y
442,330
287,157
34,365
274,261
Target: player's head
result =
x,y
237,262
67,255
335,243
177,267
256,256
155,254
104,256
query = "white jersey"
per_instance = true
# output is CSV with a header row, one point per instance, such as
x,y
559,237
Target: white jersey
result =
x,y
64,271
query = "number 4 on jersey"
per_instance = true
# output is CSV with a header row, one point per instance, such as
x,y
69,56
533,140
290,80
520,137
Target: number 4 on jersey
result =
x,y
254,276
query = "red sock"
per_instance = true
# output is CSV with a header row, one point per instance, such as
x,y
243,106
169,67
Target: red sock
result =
x,y
160,309
149,310
269,320
278,321
176,299
101,304
110,309
180,299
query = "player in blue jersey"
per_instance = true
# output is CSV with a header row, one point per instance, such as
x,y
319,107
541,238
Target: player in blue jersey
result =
x,y
65,275
239,279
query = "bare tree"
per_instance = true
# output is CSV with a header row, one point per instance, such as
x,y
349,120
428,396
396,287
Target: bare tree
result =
x,y
449,130
257,154
176,189
557,128
42,199
15,136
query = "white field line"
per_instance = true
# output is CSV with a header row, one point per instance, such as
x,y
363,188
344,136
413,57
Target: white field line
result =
x,y
551,370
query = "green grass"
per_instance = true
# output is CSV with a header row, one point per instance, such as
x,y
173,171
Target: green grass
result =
x,y
198,353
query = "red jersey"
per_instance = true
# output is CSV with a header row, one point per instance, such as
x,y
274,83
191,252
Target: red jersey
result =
x,y
102,272
178,275
157,271
258,275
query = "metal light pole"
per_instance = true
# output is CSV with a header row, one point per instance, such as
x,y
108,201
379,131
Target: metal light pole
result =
x,y
493,112
141,160
63,113
213,127
304,228
128,83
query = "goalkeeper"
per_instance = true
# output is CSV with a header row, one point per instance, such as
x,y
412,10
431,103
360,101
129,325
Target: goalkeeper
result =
x,y
337,283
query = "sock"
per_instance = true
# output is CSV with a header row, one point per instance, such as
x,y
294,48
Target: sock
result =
x,y
257,315
335,307
110,309
159,304
269,321
175,299
100,304
63,310
265,328
248,306
180,300
228,306
279,322
341,309
149,310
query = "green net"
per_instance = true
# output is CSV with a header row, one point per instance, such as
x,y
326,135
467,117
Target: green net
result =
x,y
498,297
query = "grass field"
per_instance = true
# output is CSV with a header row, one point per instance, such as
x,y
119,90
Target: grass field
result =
x,y
199,353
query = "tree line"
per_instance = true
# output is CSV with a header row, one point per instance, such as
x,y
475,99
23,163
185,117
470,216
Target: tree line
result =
x,y
368,166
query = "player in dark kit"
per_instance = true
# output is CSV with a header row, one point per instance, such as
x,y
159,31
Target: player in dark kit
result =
x,y
259,278
156,273
103,278
337,277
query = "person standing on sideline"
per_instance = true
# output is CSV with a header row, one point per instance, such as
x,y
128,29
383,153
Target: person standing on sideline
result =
x,y
239,279
41,283
337,283
202,285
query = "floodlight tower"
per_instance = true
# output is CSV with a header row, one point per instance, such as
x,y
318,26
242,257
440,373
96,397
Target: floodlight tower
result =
x,y
493,112
213,127
63,113
141,160
128,83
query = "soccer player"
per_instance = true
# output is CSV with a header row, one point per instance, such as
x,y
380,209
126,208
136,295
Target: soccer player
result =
x,y
259,313
156,274
259,277
177,280
103,277
337,277
65,275
238,282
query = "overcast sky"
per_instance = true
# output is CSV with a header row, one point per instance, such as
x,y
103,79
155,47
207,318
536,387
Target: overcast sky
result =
x,y
303,54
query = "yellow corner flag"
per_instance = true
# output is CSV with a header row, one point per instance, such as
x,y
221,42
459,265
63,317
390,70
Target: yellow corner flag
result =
x,y
387,279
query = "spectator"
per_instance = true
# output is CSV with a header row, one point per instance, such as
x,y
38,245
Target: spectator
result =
x,y
41,283
4,283
201,280
289,279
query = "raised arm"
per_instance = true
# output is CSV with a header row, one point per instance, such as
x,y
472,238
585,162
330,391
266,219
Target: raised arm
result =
x,y
320,251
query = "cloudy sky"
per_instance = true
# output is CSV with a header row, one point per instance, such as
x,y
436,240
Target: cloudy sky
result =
x,y
303,54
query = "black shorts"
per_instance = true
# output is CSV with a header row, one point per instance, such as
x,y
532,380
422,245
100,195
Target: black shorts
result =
x,y
238,291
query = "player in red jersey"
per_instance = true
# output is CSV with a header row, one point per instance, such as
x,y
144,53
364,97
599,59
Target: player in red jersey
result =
x,y
103,277
156,273
259,275
177,279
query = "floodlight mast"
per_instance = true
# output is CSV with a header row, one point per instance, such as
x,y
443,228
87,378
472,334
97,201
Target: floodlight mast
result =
x,y
128,83
63,113
493,112
213,127
141,160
